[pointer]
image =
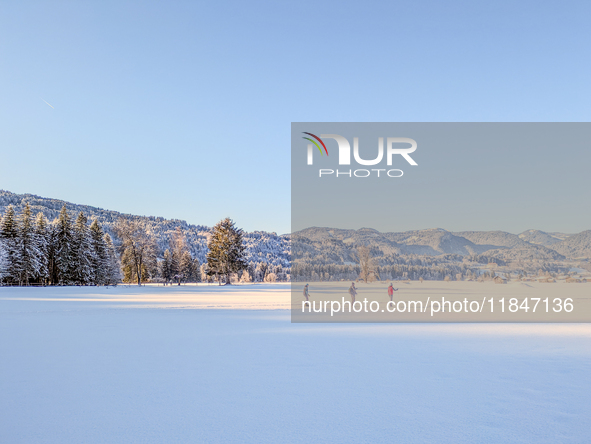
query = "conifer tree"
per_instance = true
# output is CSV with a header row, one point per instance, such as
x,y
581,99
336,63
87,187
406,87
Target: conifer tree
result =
x,y
3,256
251,269
83,252
226,250
3,260
30,256
42,231
9,234
166,267
65,260
52,248
99,258
186,268
174,266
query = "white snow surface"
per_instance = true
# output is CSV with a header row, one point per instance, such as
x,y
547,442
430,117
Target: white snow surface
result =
x,y
152,365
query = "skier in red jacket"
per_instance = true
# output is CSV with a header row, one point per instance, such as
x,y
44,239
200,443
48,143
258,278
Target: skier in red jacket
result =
x,y
391,291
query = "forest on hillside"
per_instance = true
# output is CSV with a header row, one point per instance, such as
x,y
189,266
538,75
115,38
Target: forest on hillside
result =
x,y
265,253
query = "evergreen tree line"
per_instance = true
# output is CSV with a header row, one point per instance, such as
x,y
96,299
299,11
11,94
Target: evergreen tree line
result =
x,y
260,246
63,252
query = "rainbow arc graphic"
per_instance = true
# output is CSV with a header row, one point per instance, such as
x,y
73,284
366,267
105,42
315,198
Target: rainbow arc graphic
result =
x,y
315,143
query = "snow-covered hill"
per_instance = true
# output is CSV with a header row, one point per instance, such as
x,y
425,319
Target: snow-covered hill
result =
x,y
542,238
261,246
575,246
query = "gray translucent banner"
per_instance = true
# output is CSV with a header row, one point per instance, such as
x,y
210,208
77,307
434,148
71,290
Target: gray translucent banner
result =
x,y
441,222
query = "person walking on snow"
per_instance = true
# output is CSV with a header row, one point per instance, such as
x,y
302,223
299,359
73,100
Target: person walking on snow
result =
x,y
306,293
352,292
391,291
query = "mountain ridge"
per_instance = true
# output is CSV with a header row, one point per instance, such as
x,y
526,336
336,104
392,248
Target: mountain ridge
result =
x,y
438,241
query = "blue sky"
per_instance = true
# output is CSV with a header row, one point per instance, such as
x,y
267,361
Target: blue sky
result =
x,y
183,109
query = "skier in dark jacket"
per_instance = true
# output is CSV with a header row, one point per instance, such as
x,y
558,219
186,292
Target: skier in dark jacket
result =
x,y
352,292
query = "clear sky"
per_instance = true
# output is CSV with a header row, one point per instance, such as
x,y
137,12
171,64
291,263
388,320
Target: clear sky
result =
x,y
183,109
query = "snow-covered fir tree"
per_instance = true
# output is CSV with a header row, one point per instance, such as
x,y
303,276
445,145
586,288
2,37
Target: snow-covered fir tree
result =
x,y
9,234
186,267
99,258
3,260
165,266
83,252
64,251
43,239
52,268
226,251
36,252
174,266
28,244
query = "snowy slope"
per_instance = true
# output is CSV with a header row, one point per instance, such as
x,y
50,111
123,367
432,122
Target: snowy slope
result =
x,y
542,238
577,245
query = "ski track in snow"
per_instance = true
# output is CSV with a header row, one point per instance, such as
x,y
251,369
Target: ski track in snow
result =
x,y
110,365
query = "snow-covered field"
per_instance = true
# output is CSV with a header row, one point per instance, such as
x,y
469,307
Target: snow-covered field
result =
x,y
124,365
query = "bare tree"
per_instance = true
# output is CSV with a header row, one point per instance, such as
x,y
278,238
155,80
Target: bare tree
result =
x,y
137,246
367,263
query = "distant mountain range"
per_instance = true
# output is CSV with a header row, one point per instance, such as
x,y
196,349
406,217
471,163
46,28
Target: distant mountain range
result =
x,y
529,245
332,254
261,246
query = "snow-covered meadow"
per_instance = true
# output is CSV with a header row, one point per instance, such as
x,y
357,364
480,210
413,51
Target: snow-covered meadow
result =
x,y
193,364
